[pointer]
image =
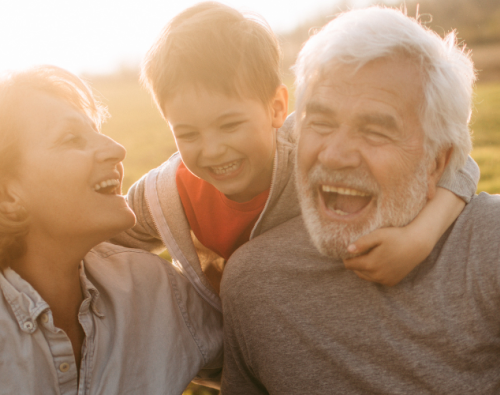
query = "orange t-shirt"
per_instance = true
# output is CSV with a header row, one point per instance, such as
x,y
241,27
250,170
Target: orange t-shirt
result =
x,y
220,224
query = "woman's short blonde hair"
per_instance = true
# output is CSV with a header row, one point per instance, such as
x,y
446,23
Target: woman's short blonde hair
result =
x,y
13,87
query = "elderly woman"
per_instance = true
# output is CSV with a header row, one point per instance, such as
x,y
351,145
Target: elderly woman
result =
x,y
78,315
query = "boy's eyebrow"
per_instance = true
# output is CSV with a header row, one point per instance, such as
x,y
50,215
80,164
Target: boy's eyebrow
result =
x,y
219,119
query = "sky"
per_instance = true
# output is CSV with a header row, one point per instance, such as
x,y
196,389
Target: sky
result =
x,y
100,36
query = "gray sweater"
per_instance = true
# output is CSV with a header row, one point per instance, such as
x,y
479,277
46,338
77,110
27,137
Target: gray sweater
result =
x,y
296,322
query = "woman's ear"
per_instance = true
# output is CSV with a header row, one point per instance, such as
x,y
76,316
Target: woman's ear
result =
x,y
279,106
10,202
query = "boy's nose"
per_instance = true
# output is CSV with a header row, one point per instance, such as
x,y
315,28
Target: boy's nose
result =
x,y
213,147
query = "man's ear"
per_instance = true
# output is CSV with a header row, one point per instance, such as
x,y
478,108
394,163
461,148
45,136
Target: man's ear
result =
x,y
436,169
279,106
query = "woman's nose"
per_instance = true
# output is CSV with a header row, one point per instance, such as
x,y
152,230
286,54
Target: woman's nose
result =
x,y
109,150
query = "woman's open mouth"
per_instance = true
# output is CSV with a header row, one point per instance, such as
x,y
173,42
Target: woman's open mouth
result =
x,y
344,201
108,187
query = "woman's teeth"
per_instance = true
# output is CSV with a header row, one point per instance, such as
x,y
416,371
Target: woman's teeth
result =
x,y
105,184
226,168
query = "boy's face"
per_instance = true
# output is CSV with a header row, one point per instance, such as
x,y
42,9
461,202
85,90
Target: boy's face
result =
x,y
228,142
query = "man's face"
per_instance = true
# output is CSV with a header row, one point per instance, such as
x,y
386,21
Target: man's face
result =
x,y
360,160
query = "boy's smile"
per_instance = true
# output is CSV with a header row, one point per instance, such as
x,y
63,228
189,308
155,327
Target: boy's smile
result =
x,y
228,142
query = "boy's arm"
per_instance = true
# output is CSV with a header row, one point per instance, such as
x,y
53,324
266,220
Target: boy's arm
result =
x,y
389,254
144,234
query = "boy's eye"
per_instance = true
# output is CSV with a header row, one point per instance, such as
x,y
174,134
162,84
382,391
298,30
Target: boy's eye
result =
x,y
231,126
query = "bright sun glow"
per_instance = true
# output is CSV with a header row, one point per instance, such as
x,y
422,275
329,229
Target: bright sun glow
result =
x,y
98,36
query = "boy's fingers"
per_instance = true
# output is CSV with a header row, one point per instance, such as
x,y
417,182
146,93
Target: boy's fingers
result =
x,y
357,264
365,243
363,275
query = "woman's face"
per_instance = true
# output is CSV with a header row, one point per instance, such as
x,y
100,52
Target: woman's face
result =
x,y
70,175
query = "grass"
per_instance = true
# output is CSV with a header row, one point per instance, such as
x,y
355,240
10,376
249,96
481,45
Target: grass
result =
x,y
136,123
486,135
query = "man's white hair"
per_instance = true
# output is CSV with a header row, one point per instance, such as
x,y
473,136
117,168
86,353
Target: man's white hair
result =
x,y
360,36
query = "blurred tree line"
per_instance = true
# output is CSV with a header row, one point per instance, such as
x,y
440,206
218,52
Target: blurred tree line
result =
x,y
476,21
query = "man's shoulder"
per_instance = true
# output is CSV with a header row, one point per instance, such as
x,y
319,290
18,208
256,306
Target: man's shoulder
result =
x,y
483,212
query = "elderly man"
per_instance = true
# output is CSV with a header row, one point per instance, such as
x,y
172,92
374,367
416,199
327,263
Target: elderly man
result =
x,y
383,111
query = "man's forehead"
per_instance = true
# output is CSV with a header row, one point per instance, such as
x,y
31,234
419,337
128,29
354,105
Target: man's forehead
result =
x,y
394,80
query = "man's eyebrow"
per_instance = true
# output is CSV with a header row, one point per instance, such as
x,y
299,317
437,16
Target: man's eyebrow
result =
x,y
386,121
318,108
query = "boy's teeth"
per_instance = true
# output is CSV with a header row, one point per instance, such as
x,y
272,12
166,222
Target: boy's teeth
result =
x,y
343,191
107,183
226,168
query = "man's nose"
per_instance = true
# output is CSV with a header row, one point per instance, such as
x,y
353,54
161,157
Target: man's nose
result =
x,y
109,150
340,150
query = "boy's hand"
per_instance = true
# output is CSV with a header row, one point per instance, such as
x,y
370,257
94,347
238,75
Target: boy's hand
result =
x,y
388,255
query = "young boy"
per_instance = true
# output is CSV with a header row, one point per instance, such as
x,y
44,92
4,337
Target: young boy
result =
x,y
214,74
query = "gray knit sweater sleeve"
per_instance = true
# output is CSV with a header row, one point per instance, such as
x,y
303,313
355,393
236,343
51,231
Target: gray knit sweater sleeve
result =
x,y
144,234
464,182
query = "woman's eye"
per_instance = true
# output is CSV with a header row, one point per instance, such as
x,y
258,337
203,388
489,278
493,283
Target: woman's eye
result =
x,y
74,139
187,136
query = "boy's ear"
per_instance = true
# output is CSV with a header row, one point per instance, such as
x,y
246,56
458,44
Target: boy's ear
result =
x,y
436,170
279,106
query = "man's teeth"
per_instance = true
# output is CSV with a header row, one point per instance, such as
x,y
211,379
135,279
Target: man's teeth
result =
x,y
343,191
107,183
226,168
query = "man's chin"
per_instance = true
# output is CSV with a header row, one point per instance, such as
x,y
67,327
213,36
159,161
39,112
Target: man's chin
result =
x,y
331,238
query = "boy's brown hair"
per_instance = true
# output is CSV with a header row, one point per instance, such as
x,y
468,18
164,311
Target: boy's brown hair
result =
x,y
214,46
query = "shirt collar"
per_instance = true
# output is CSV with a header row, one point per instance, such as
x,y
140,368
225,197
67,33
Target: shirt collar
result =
x,y
27,304
24,301
90,293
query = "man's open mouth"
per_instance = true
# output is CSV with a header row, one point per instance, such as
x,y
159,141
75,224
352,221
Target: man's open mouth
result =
x,y
344,201
108,187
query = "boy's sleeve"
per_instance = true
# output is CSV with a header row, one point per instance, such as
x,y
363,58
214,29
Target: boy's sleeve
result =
x,y
464,182
144,234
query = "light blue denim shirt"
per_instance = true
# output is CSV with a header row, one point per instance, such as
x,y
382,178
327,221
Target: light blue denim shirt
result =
x,y
147,331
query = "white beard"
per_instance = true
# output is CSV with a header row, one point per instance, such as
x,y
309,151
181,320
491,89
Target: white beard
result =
x,y
396,207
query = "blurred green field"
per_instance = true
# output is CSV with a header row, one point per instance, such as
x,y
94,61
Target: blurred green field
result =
x,y
136,123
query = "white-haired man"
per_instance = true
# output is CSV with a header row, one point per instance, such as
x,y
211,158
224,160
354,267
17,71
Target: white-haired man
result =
x,y
383,110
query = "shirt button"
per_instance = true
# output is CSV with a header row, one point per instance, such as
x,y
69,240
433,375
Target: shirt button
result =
x,y
44,318
64,367
28,325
